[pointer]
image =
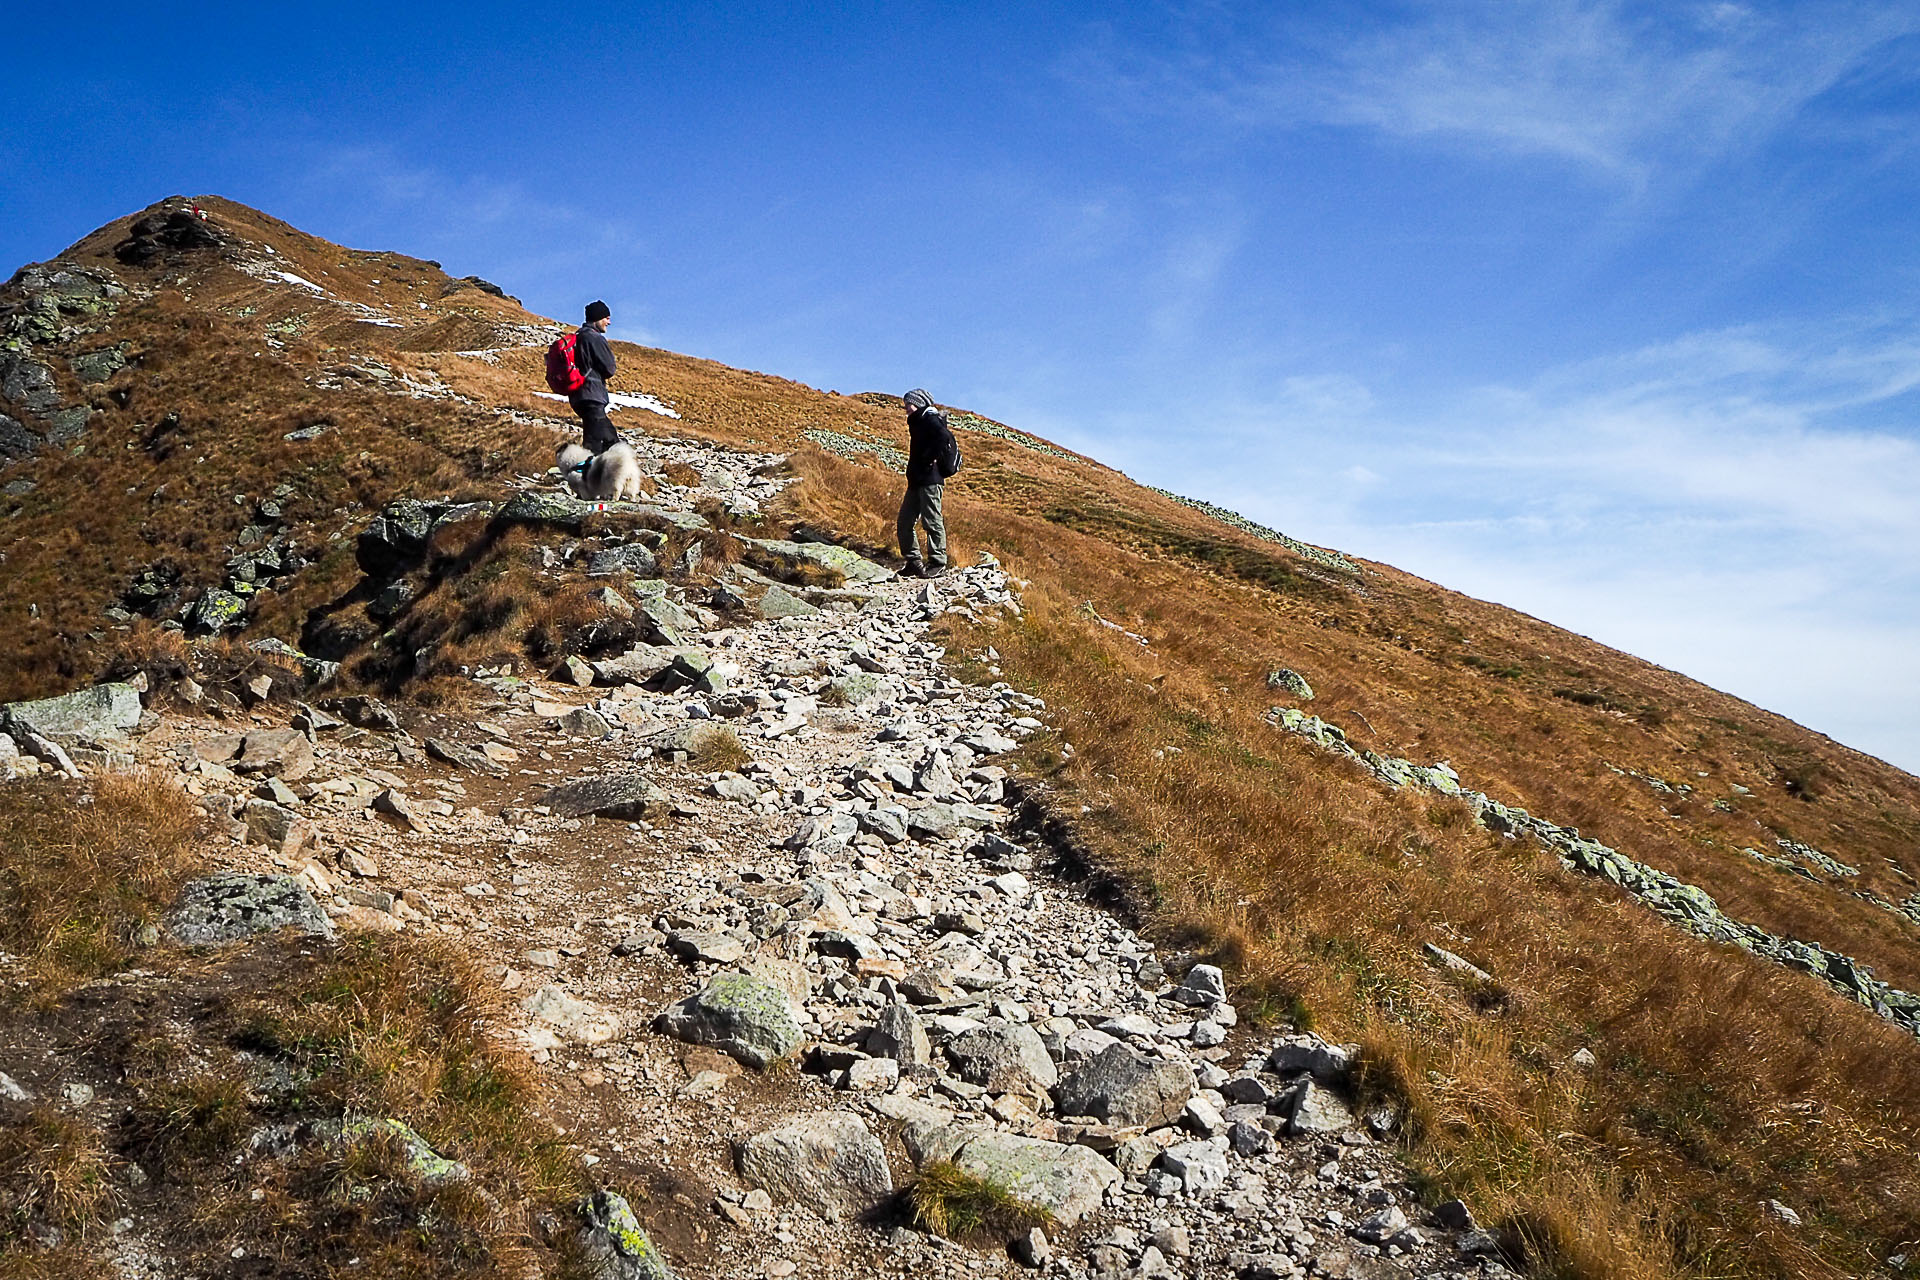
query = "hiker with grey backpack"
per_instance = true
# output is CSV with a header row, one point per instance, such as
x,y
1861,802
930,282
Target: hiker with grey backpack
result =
x,y
933,455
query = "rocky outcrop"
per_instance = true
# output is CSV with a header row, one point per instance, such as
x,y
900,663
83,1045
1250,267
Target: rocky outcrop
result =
x,y
1686,906
611,1244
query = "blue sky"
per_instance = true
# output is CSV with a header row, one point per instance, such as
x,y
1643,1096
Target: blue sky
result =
x,y
1607,312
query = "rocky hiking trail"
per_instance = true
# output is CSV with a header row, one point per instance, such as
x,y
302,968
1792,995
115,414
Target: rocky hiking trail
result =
x,y
780,941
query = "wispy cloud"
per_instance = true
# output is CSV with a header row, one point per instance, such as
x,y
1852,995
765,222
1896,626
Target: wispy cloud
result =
x,y
1619,91
1736,504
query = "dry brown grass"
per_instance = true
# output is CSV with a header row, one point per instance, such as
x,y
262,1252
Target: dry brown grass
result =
x,y
83,867
54,1171
724,752
1319,887
371,1027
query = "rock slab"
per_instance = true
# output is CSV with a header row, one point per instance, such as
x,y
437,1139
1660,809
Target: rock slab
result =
x,y
235,905
631,797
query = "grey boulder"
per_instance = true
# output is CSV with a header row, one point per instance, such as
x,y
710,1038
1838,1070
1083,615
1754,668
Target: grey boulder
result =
x,y
831,1163
1124,1087
1003,1058
746,1015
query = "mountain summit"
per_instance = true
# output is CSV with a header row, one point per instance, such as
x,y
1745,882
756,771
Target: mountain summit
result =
x,y
1162,871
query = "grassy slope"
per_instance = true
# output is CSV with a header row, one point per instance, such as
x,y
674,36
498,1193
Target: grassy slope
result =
x,y
1721,1081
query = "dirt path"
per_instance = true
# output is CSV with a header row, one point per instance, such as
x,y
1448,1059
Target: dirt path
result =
x,y
865,844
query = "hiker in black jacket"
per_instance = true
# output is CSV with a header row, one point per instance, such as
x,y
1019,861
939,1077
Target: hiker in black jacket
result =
x,y
930,449
595,359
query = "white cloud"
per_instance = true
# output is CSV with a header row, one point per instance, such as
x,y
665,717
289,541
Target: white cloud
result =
x,y
1618,91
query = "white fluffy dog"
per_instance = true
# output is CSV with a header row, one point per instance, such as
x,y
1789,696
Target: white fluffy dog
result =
x,y
607,477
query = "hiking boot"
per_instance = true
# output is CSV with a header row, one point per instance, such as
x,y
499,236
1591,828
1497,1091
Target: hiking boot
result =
x,y
935,571
911,569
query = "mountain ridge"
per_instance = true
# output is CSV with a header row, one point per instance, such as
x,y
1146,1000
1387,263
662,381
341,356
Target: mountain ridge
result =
x,y
414,383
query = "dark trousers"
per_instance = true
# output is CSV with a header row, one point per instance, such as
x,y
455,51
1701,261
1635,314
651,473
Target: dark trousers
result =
x,y
597,430
922,506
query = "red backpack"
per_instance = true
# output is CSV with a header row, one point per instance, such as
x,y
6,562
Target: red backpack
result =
x,y
563,372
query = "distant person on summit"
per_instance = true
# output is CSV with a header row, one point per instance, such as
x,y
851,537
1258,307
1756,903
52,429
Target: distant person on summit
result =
x,y
595,360
932,456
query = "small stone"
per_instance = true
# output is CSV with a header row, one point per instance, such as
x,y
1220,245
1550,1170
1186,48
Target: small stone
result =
x,y
1202,1117
1200,1166
1249,1139
573,1019
707,946
1380,1226
1317,1111
396,805
1174,1242
585,722
1204,984
1032,1249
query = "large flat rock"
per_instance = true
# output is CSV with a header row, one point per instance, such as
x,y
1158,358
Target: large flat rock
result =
x,y
628,796
105,710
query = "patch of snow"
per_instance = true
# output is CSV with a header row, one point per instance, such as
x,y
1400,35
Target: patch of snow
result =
x,y
626,400
302,281
620,400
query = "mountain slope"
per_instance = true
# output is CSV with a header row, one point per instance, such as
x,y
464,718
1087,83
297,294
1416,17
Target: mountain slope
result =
x,y
223,385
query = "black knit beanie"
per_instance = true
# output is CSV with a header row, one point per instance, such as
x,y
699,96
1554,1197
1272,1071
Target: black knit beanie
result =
x,y
918,399
597,311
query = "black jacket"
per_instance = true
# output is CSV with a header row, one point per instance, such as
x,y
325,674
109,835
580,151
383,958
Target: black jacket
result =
x,y
928,440
595,359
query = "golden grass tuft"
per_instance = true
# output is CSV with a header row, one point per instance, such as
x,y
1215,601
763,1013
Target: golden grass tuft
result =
x,y
950,1202
723,751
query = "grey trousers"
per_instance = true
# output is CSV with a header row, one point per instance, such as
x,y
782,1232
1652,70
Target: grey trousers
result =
x,y
922,506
